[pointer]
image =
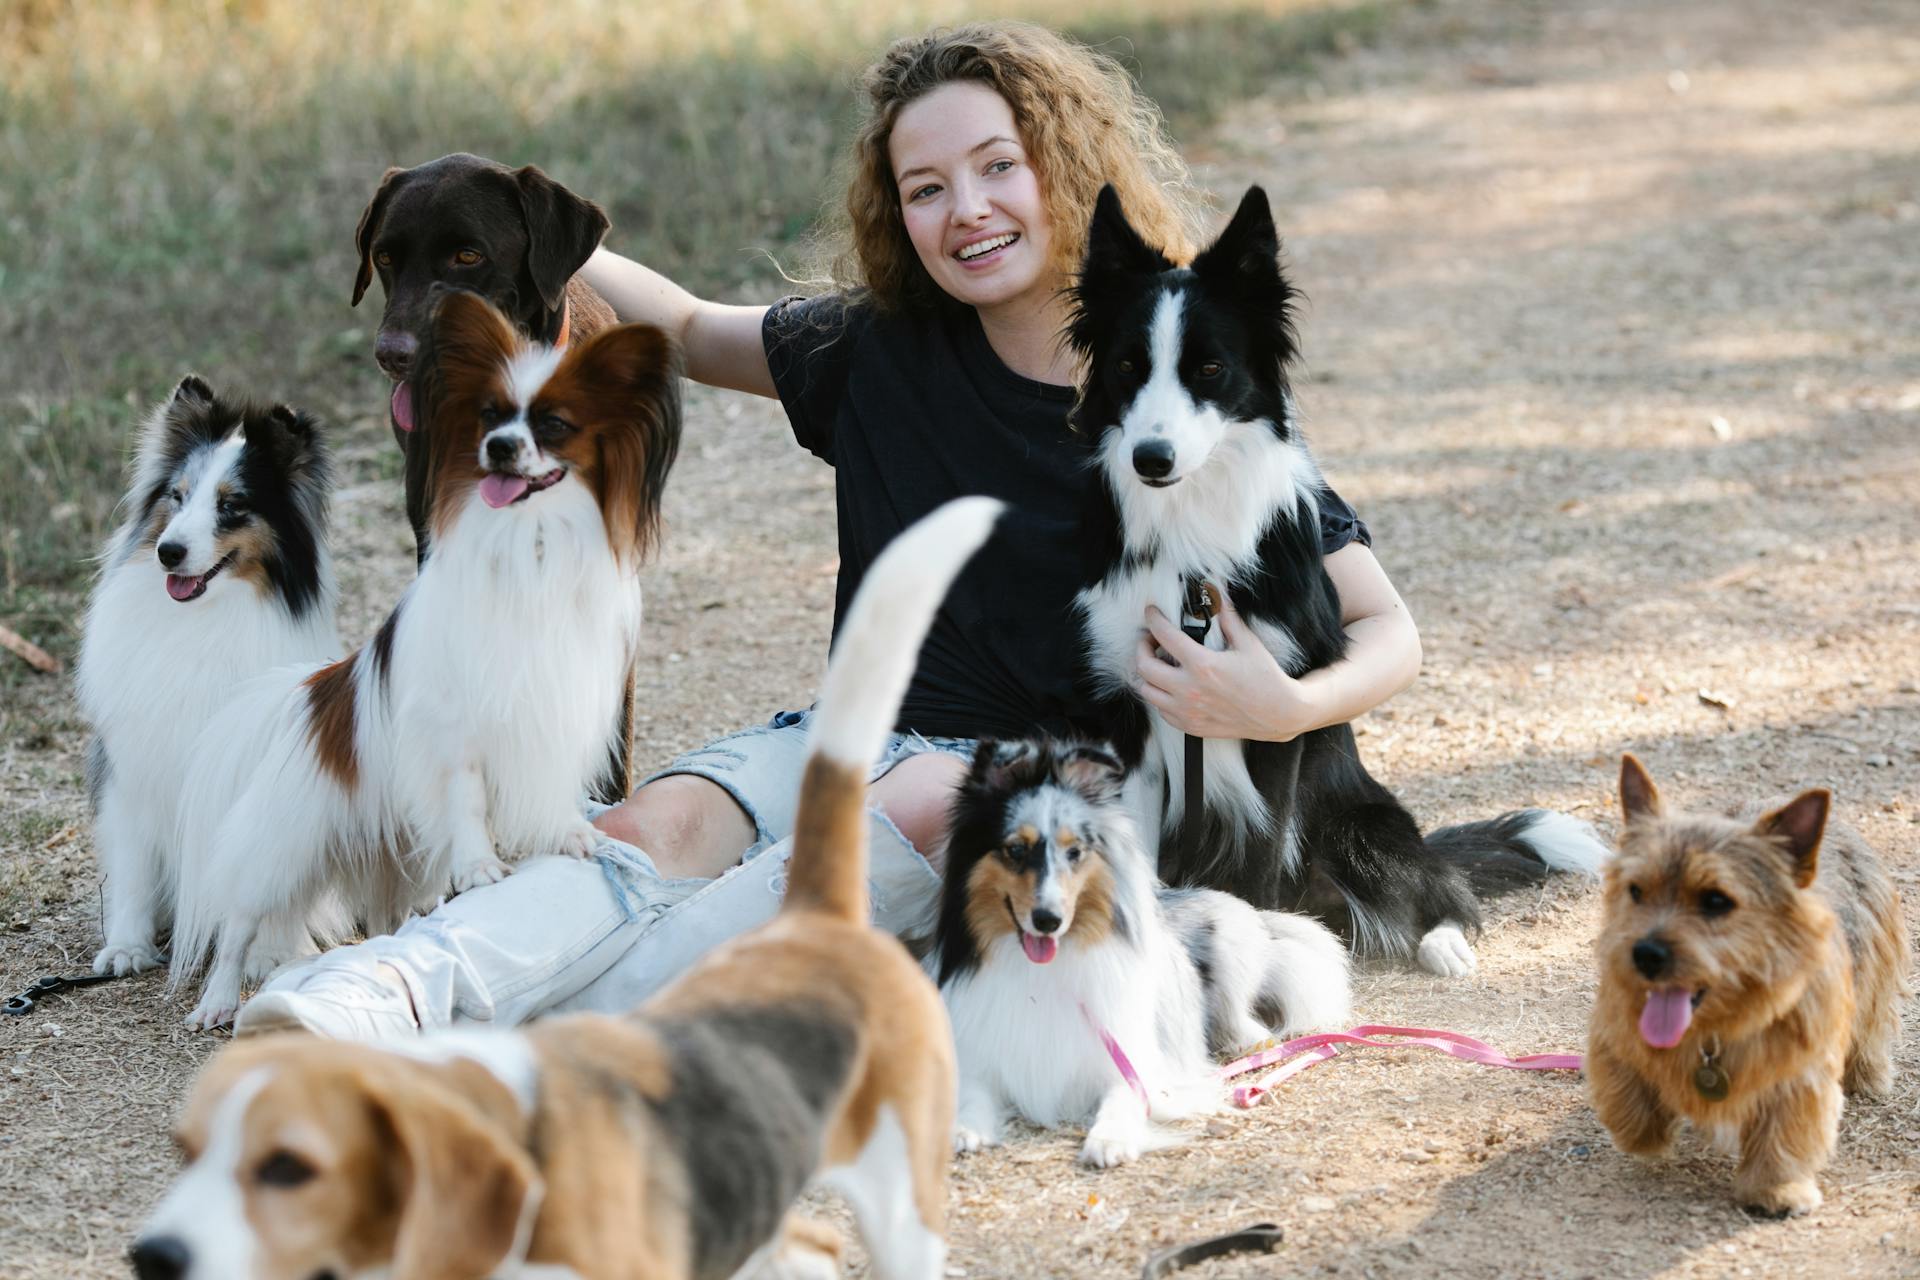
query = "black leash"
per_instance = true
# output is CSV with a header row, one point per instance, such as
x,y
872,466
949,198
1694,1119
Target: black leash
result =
x,y
1262,1237
23,1004
1197,608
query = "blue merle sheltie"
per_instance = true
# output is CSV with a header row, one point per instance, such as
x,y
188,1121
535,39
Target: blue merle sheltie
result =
x,y
218,572
1189,419
1060,957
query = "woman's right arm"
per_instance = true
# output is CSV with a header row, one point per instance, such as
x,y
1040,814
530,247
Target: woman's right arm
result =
x,y
722,343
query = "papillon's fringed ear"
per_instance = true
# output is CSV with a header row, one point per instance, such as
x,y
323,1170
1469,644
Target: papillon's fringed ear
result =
x,y
631,374
1092,770
369,228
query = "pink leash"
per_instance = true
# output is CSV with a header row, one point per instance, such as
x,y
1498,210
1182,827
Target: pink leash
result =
x,y
1309,1050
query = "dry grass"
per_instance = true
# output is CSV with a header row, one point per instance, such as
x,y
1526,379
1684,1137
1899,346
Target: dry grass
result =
x,y
1547,247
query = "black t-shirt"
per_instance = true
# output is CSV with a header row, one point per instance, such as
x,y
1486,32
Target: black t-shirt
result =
x,y
912,411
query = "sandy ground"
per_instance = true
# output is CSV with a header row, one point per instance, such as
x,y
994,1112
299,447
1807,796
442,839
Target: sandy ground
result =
x,y
1612,341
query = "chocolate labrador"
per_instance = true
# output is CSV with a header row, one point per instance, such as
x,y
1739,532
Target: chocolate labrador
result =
x,y
515,237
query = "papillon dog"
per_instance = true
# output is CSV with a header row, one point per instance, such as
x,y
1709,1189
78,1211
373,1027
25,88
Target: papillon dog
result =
x,y
1079,986
218,572
466,730
1188,416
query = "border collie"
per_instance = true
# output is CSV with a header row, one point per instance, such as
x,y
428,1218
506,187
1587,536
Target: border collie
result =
x,y
1188,416
1055,938
477,715
218,572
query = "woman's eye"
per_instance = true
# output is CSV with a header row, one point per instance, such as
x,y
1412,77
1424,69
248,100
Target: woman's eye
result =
x,y
467,257
1000,166
921,193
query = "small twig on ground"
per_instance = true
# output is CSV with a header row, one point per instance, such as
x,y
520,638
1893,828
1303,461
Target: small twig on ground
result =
x,y
35,656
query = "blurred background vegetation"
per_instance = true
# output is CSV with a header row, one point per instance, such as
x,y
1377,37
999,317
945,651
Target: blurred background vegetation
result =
x,y
179,184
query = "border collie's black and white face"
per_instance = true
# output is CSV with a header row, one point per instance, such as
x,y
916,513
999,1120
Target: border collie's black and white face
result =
x,y
1182,360
233,492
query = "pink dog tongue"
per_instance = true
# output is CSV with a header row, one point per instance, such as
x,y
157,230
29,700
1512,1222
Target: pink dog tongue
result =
x,y
497,490
1665,1018
1038,949
403,406
182,587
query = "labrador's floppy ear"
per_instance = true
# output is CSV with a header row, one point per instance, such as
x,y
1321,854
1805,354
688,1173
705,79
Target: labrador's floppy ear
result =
x,y
369,227
468,1191
563,230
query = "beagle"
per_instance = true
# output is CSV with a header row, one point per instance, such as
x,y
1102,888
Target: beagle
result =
x,y
668,1144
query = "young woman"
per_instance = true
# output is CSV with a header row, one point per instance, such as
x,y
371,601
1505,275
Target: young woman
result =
x,y
933,370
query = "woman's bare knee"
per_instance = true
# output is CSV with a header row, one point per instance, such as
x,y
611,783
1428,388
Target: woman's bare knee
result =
x,y
917,797
686,824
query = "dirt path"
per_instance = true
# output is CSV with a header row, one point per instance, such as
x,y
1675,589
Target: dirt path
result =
x,y
1613,343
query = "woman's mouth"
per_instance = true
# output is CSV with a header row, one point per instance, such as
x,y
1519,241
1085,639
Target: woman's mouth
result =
x,y
982,251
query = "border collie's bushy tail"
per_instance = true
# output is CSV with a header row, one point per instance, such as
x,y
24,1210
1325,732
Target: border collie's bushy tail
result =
x,y
1519,849
872,664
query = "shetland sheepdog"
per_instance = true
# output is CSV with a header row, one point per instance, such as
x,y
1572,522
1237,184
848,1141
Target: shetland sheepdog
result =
x,y
217,573
467,729
1189,418
1061,957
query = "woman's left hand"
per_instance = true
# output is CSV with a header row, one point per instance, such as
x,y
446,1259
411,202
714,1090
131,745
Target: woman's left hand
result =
x,y
1236,692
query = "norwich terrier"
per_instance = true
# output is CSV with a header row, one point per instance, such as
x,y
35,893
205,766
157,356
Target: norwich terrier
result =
x,y
1748,974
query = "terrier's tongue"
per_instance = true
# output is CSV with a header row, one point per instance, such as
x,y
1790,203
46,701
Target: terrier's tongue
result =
x,y
1038,949
1665,1018
403,406
182,586
497,490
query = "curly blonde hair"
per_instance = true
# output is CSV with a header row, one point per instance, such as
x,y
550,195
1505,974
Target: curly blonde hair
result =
x,y
1083,123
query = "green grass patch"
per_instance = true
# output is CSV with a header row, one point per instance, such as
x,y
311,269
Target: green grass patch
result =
x,y
183,182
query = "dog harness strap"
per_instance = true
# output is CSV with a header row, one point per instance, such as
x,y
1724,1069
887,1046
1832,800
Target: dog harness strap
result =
x,y
1196,619
1309,1050
1261,1237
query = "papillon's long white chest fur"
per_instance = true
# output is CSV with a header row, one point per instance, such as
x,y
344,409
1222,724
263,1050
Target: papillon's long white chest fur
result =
x,y
219,572
466,730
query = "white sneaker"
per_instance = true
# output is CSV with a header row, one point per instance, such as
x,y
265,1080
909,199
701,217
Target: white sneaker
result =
x,y
340,1000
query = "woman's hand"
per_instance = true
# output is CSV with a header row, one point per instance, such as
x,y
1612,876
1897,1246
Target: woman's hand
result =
x,y
1242,692
1236,692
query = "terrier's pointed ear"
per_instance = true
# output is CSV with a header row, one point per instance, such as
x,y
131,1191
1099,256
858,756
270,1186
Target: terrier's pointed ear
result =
x,y
1113,244
1250,246
1799,825
1638,796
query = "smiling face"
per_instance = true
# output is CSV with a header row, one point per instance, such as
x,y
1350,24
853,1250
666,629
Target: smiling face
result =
x,y
1708,921
970,198
232,492
511,420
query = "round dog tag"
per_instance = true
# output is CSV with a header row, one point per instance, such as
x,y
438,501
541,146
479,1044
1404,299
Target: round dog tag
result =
x,y
1710,1082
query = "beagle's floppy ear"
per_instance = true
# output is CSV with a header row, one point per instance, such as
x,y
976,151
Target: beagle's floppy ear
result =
x,y
469,1193
370,227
